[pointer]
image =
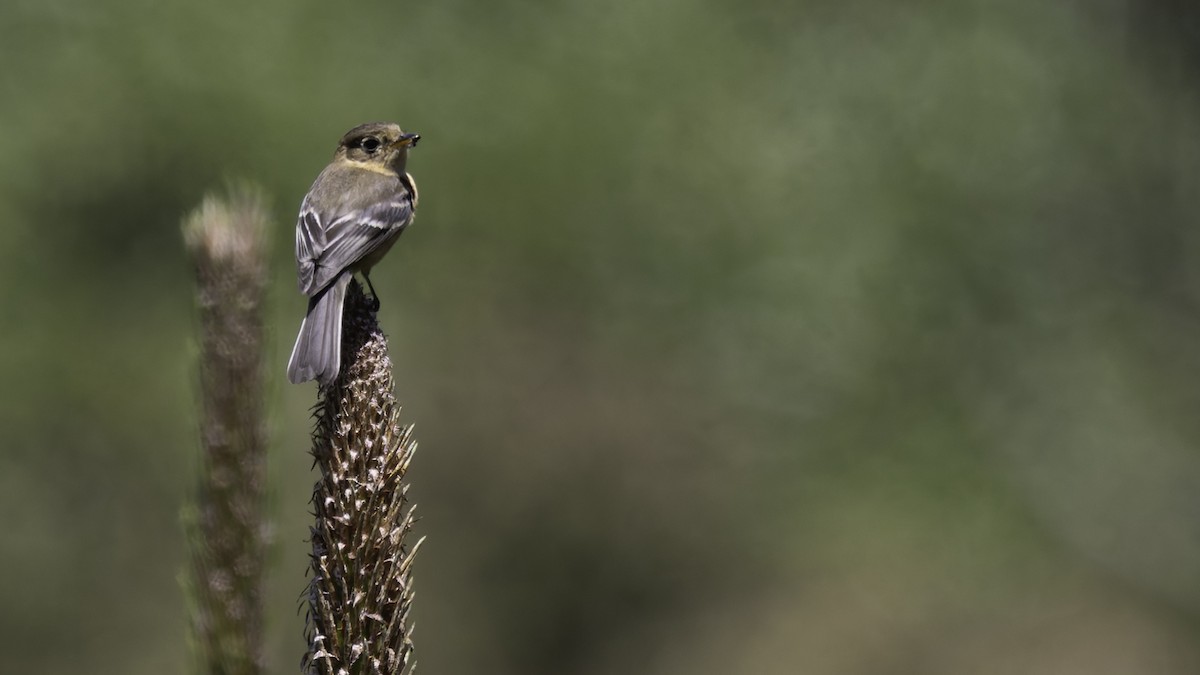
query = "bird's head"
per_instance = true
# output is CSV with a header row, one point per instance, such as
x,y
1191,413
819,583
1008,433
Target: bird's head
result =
x,y
382,144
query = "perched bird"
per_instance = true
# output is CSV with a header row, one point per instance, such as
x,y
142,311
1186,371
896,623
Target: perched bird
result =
x,y
351,216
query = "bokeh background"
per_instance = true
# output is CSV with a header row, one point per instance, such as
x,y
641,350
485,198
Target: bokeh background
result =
x,y
740,337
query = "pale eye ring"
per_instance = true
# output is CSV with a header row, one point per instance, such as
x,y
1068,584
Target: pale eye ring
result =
x,y
370,144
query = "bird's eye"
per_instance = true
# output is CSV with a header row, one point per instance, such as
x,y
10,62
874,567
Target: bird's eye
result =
x,y
370,144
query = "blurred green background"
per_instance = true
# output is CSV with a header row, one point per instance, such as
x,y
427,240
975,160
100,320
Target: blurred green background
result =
x,y
751,337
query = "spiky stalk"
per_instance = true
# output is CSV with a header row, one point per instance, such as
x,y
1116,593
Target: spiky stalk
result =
x,y
361,589
227,528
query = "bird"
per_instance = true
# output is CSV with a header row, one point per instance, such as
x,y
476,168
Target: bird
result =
x,y
352,215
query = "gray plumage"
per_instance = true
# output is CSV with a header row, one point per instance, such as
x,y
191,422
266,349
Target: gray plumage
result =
x,y
353,214
317,354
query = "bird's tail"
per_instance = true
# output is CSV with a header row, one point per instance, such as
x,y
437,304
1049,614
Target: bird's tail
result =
x,y
318,351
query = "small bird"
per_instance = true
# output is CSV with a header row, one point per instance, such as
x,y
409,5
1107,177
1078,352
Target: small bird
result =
x,y
353,213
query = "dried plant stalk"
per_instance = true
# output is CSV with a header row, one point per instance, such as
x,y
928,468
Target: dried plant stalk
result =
x,y
361,588
227,527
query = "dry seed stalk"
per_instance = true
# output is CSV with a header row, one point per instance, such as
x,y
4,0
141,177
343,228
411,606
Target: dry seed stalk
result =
x,y
361,590
227,527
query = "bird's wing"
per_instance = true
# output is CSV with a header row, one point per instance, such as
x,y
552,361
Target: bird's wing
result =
x,y
310,241
326,246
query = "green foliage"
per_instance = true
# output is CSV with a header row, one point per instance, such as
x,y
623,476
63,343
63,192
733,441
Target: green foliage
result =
x,y
744,337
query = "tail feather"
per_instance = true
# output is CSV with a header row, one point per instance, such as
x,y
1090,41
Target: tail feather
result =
x,y
318,351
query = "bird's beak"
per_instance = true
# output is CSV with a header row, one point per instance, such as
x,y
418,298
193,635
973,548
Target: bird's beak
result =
x,y
408,141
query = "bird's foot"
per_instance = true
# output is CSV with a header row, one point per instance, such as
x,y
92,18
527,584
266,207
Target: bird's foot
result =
x,y
374,295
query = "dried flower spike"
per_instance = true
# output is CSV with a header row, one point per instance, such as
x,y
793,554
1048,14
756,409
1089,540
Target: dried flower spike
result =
x,y
361,590
227,528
